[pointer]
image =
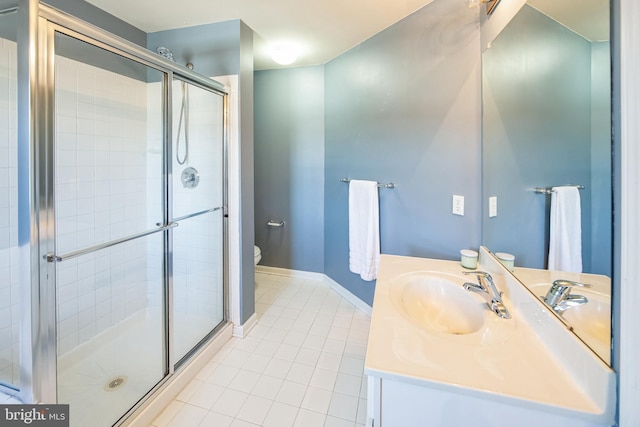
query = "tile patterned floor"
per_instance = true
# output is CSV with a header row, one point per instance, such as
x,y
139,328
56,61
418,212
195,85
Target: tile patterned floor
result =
x,y
9,398
300,366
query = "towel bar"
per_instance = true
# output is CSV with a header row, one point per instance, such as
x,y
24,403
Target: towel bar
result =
x,y
549,190
389,185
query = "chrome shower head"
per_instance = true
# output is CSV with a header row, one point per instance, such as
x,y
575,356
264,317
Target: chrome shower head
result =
x,y
164,51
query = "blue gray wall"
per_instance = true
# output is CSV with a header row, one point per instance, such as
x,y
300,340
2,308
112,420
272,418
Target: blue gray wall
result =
x,y
246,124
289,167
404,107
226,49
100,18
214,49
83,52
538,132
601,166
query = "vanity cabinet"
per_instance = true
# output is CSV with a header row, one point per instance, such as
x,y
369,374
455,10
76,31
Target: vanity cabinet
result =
x,y
433,361
395,403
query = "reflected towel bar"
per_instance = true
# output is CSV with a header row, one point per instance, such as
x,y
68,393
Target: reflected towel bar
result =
x,y
549,190
389,185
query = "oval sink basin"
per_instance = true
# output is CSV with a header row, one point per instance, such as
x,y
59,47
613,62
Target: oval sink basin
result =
x,y
436,302
590,321
592,318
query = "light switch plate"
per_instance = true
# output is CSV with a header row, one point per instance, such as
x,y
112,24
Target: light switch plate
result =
x,y
493,206
458,205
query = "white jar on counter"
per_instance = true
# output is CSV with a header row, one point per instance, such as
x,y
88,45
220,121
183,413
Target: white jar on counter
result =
x,y
469,258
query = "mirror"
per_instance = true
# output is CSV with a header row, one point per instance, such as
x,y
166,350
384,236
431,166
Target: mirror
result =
x,y
547,122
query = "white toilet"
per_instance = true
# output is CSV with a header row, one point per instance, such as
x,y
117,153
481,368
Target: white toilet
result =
x,y
257,254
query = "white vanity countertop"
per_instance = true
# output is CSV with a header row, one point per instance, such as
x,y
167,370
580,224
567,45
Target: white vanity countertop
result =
x,y
504,360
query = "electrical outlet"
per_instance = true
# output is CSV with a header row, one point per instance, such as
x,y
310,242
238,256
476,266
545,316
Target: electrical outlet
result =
x,y
458,205
493,206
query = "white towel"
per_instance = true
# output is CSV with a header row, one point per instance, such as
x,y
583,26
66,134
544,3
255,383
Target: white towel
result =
x,y
565,239
364,229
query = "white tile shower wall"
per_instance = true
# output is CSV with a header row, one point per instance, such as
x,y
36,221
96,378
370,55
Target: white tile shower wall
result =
x,y
106,151
9,262
101,176
205,150
197,242
154,183
197,271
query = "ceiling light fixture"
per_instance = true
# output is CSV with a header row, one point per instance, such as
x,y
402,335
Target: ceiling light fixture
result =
x,y
284,54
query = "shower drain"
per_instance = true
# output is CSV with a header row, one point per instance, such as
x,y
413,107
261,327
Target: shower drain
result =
x,y
115,383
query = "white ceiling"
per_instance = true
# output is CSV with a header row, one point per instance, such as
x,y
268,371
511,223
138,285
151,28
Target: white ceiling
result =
x,y
589,18
322,29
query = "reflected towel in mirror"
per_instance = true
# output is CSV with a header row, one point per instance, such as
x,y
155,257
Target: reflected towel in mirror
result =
x,y
565,232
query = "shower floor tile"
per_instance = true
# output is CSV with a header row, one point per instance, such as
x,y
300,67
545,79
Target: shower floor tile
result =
x,y
301,365
9,398
86,374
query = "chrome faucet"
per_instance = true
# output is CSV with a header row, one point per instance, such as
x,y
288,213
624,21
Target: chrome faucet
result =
x,y
488,290
559,298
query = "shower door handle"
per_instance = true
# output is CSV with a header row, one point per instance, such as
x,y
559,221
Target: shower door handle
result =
x,y
181,218
75,254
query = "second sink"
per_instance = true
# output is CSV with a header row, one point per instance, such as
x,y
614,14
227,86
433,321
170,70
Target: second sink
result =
x,y
591,321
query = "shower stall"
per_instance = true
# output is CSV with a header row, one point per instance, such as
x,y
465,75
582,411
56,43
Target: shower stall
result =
x,y
112,243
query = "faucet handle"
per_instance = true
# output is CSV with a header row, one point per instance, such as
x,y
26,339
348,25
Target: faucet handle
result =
x,y
479,273
564,283
560,289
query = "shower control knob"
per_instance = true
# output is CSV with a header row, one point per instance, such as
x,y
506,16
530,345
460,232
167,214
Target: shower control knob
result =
x,y
190,178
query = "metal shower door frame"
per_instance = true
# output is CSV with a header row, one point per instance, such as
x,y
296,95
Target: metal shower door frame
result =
x,y
36,103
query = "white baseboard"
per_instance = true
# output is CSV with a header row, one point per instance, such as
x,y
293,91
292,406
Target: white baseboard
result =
x,y
241,331
290,273
344,292
169,390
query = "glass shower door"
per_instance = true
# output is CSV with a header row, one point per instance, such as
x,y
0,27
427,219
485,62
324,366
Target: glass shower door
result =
x,y
11,262
198,198
110,243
